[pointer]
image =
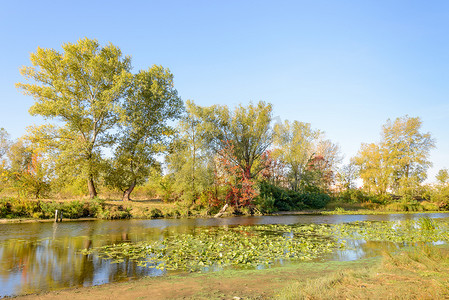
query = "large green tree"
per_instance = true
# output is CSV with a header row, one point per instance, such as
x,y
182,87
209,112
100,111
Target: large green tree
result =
x,y
152,103
82,88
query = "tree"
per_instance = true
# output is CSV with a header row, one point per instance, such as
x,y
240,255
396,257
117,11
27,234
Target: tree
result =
x,y
323,165
189,160
373,168
408,151
153,101
240,137
294,144
4,143
28,172
442,176
347,176
399,162
81,88
246,129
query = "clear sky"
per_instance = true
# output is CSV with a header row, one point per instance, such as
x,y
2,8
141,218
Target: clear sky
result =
x,y
343,66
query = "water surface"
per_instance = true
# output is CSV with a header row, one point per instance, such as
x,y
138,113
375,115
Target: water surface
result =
x,y
36,257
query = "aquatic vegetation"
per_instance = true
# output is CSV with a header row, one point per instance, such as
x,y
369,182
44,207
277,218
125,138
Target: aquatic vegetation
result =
x,y
220,247
398,232
264,245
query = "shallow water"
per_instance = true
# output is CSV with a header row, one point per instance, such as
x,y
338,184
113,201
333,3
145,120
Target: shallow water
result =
x,y
36,257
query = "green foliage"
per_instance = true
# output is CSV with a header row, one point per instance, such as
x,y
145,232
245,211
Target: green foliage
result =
x,y
246,129
155,213
190,161
426,223
82,88
152,103
273,198
443,176
20,208
295,145
352,196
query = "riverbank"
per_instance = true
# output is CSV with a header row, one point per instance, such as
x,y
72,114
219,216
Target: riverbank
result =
x,y
418,273
241,284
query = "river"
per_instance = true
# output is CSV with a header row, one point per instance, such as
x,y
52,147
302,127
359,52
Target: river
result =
x,y
38,257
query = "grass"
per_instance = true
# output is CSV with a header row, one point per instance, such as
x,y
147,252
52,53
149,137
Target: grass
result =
x,y
419,273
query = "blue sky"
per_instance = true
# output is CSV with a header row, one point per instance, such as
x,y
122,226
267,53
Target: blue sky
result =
x,y
343,66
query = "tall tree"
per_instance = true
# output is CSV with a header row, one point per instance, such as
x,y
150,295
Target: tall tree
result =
x,y
399,162
189,160
81,88
373,168
442,176
408,151
295,146
5,143
153,101
246,130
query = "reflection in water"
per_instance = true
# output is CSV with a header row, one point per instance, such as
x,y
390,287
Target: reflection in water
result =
x,y
38,257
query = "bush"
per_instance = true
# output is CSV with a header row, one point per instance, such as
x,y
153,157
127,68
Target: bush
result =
x,y
155,213
352,196
266,204
273,198
316,200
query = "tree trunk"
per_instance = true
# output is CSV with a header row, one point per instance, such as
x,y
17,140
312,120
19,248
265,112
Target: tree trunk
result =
x,y
91,187
127,193
222,211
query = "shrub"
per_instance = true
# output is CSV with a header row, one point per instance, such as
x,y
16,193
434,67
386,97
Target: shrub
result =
x,y
314,200
155,213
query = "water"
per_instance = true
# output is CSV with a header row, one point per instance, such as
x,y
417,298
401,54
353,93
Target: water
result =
x,y
36,257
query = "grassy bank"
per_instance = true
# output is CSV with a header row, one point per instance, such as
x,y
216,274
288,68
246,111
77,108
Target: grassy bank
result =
x,y
44,209
420,273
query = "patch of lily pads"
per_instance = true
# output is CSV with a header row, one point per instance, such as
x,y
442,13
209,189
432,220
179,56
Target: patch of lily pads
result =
x,y
264,245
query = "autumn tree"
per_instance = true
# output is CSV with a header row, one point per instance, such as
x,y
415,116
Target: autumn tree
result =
x,y
346,176
152,103
241,136
246,129
399,162
28,172
372,163
408,152
82,88
309,158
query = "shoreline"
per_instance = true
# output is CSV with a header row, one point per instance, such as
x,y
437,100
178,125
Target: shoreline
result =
x,y
280,213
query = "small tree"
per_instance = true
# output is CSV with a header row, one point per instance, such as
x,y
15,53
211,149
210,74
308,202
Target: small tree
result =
x,y
28,172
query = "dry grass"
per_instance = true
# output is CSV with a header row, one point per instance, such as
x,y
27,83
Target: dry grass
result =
x,y
421,273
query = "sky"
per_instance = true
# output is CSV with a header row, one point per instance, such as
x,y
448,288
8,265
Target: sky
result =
x,y
343,66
